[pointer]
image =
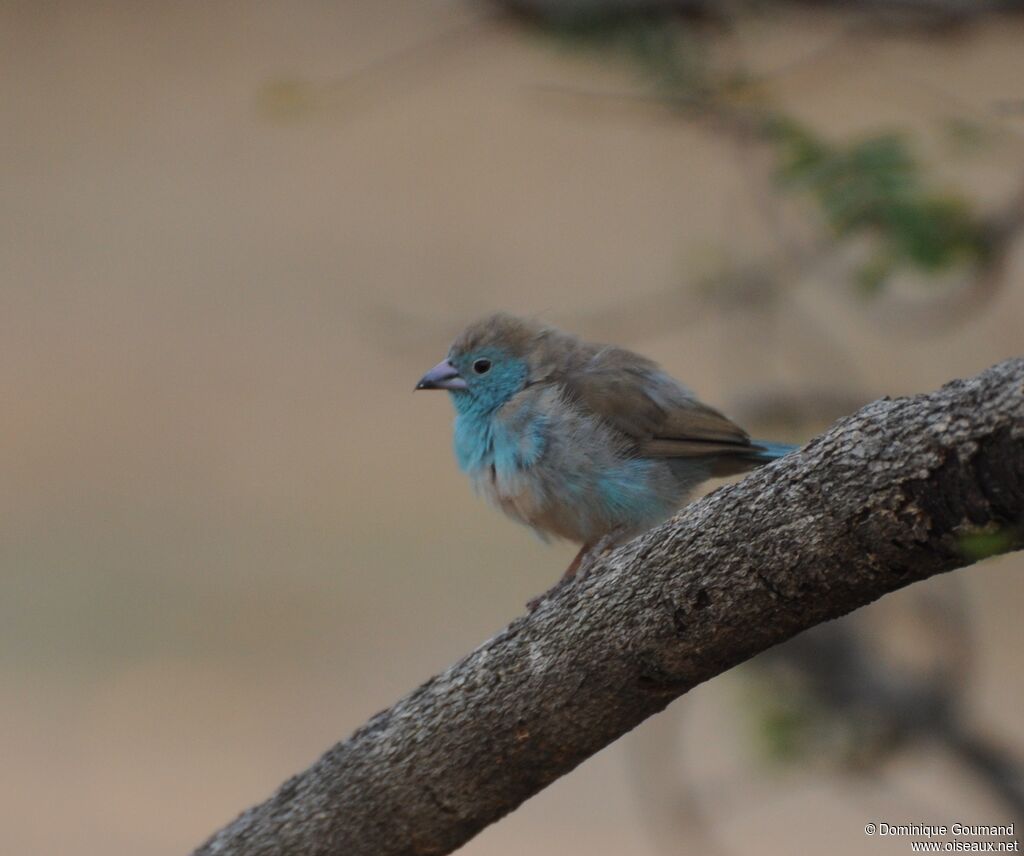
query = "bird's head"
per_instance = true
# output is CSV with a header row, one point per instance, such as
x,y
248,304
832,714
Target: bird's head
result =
x,y
489,362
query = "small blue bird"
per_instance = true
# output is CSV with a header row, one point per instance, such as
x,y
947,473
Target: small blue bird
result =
x,y
579,440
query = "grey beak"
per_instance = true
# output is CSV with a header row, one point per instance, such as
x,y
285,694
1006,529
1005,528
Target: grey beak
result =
x,y
442,376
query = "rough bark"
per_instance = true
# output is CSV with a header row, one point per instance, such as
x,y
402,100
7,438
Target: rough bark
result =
x,y
881,500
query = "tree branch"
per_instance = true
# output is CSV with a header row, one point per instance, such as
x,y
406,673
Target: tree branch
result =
x,y
885,498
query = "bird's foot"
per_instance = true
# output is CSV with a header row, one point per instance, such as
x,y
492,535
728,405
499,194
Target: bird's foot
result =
x,y
569,575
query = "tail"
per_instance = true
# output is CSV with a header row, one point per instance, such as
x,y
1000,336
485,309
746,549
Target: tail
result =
x,y
764,451
742,459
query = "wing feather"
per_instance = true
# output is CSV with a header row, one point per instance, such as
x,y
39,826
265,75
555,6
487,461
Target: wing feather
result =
x,y
655,412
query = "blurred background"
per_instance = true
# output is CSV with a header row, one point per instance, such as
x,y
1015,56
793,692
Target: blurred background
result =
x,y
235,234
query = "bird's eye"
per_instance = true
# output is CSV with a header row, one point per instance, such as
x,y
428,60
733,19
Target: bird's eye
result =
x,y
482,366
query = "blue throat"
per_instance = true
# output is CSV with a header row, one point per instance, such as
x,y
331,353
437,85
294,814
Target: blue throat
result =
x,y
483,439
474,431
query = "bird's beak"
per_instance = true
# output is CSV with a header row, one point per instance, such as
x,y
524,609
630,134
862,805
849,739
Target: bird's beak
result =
x,y
442,376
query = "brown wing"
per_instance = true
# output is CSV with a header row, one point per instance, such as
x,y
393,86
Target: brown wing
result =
x,y
653,410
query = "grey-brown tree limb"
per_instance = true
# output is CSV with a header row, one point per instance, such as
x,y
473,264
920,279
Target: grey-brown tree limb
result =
x,y
886,497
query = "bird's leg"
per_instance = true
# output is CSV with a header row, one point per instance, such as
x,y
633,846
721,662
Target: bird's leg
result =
x,y
574,565
570,572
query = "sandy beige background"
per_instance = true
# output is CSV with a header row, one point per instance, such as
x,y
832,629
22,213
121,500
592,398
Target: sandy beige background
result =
x,y
230,532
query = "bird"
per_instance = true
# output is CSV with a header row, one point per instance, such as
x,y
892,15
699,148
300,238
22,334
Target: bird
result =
x,y
586,442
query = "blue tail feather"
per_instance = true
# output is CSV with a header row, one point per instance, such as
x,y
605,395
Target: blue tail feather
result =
x,y
765,450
